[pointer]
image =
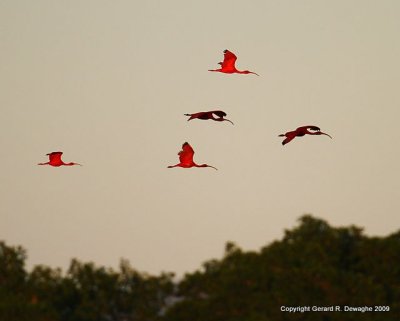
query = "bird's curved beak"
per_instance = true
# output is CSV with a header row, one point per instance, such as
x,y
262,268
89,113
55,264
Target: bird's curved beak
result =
x,y
326,135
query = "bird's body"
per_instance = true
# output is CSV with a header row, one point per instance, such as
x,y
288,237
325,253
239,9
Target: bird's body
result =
x,y
56,161
186,158
301,131
204,115
228,65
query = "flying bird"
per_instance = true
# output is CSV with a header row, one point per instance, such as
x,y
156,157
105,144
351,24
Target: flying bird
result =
x,y
228,65
301,131
186,158
55,160
209,115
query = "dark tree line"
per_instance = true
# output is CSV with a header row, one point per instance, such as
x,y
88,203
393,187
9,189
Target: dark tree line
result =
x,y
313,265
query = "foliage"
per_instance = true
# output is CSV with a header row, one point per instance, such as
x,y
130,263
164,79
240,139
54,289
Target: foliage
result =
x,y
313,265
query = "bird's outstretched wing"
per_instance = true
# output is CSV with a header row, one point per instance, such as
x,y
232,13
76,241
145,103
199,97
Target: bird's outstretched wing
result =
x,y
186,154
55,156
229,60
219,113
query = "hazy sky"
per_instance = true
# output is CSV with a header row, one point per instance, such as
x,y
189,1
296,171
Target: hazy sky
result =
x,y
108,82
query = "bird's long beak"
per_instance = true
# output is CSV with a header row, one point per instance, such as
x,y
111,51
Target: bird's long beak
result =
x,y
326,134
213,167
229,121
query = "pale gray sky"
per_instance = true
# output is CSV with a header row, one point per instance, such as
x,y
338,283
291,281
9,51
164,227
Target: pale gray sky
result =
x,y
108,82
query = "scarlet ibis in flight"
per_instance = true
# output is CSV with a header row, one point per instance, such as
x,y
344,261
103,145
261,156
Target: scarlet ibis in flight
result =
x,y
186,158
55,160
228,65
209,115
301,131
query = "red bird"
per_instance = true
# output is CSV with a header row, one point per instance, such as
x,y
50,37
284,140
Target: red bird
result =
x,y
186,158
228,65
301,131
209,115
55,160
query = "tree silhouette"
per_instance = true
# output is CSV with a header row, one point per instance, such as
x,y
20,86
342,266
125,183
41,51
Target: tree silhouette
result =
x,y
314,264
